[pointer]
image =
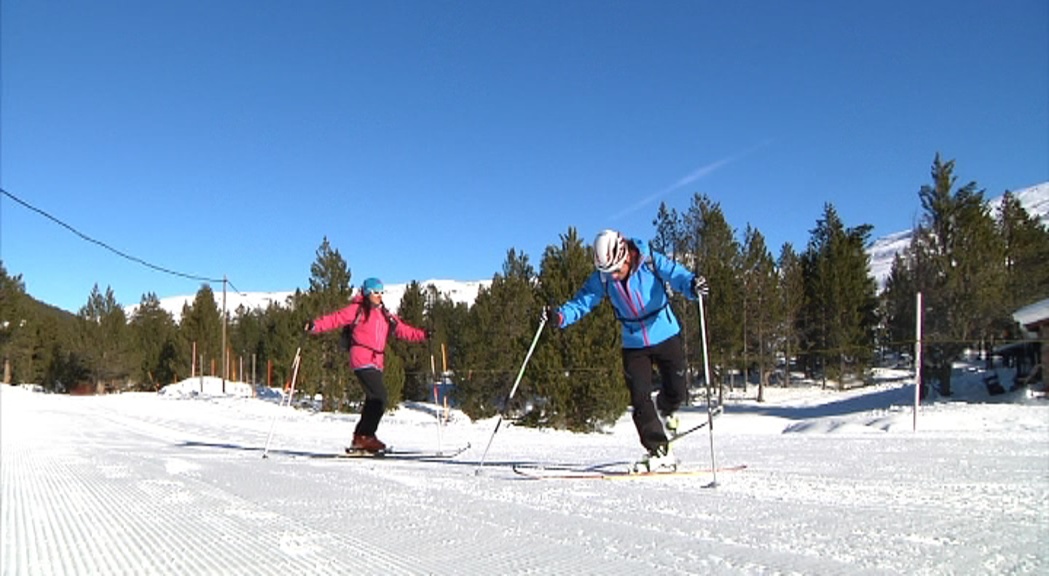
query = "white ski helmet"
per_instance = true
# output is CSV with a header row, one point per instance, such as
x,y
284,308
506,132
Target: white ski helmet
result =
x,y
610,251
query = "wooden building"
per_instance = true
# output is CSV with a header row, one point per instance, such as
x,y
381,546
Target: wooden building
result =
x,y
1034,318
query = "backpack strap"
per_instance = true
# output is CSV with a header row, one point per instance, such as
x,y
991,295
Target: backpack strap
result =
x,y
390,318
649,261
346,334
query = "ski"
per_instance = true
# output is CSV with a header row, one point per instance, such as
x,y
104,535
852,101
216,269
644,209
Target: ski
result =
x,y
395,454
539,473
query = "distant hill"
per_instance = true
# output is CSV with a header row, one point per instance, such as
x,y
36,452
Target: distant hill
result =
x,y
1034,199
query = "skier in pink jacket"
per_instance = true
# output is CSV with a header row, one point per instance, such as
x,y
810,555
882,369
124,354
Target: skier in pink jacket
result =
x,y
370,324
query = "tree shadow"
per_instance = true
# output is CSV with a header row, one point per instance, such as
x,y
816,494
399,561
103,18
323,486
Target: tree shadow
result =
x,y
882,400
451,460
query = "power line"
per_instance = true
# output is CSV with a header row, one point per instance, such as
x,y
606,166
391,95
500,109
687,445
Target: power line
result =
x,y
107,246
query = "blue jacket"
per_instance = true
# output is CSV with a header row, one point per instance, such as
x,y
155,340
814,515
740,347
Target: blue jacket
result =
x,y
643,305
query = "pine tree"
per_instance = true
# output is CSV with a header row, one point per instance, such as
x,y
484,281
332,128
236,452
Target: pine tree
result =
x,y
415,356
858,318
710,238
329,282
282,328
817,314
840,306
502,324
394,378
449,341
578,371
324,366
202,325
448,320
671,241
61,361
104,335
247,331
14,344
960,268
668,225
157,349
792,295
37,342
1026,245
761,306
898,305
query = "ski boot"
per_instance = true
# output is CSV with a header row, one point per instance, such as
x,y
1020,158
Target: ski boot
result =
x,y
671,423
366,444
659,459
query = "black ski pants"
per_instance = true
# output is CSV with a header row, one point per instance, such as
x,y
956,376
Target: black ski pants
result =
x,y
374,400
669,357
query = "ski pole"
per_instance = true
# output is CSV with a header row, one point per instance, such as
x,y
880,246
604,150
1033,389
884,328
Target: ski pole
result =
x,y
701,425
706,378
520,373
291,395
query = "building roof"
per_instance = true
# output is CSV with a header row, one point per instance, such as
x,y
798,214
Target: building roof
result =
x,y
1033,315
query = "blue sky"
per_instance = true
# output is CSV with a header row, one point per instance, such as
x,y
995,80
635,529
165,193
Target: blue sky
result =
x,y
427,138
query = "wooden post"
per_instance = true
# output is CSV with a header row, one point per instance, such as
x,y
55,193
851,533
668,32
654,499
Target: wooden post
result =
x,y
225,352
444,370
436,379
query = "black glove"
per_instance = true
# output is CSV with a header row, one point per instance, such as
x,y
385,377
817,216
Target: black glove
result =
x,y
551,315
309,327
699,286
429,333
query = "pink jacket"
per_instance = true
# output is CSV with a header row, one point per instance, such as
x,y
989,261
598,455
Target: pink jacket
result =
x,y
369,334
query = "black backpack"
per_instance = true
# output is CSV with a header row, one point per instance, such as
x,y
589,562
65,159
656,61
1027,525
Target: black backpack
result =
x,y
346,335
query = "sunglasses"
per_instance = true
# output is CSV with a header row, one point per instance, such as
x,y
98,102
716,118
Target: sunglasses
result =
x,y
379,292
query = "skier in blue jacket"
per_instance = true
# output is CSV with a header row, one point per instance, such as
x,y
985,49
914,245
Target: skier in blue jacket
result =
x,y
636,280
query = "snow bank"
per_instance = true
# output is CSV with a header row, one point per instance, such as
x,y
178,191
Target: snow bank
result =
x,y
208,386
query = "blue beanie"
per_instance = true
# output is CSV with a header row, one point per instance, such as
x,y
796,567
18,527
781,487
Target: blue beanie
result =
x,y
371,285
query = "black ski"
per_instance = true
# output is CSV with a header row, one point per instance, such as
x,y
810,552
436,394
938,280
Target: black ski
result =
x,y
540,473
394,454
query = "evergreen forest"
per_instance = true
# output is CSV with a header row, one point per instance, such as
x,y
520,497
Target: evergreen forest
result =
x,y
810,310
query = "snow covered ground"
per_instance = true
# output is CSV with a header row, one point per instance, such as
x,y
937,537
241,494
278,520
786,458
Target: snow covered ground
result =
x,y
836,483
